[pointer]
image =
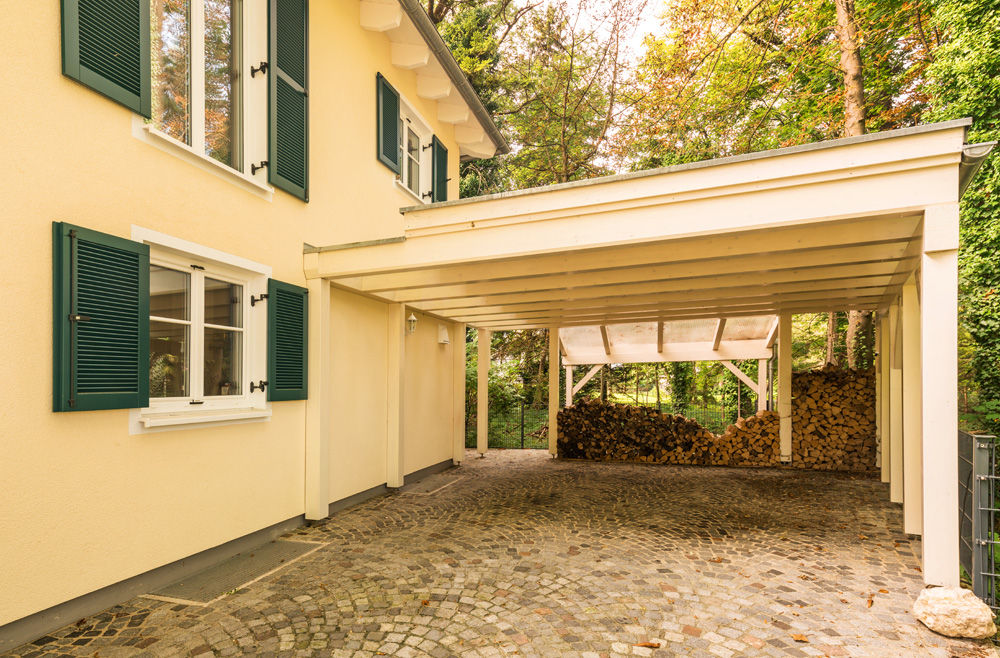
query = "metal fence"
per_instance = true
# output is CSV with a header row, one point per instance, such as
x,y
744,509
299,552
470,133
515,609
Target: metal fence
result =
x,y
979,494
525,426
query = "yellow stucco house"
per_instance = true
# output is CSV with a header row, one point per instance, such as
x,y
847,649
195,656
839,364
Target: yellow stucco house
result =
x,y
238,279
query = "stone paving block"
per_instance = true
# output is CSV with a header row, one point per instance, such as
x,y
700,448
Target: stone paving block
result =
x,y
524,555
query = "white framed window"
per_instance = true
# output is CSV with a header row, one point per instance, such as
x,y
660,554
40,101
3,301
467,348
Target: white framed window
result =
x,y
207,341
415,153
204,97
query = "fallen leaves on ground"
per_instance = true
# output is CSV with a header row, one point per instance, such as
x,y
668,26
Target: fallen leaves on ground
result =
x,y
648,645
799,637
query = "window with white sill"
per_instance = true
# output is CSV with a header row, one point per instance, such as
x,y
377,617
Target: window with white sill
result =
x,y
203,338
197,91
415,143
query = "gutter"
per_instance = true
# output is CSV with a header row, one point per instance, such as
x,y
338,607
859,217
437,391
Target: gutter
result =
x,y
443,54
973,156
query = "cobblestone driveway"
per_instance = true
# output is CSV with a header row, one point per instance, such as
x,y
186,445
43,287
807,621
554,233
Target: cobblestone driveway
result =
x,y
519,554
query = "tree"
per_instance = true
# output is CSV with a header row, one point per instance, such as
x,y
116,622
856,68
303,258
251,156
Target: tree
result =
x,y
965,82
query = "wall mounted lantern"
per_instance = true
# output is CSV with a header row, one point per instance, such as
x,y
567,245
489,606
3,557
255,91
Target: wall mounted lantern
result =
x,y
411,324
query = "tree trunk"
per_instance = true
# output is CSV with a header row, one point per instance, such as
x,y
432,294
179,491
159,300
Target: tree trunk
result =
x,y
854,124
658,407
831,338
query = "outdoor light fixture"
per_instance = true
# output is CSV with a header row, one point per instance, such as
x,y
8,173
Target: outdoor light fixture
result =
x,y
411,324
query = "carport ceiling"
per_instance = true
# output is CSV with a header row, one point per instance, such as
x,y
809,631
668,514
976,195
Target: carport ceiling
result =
x,y
824,227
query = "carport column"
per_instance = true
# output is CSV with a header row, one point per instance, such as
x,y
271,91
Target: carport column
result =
x,y
317,475
553,389
939,372
761,384
882,394
569,386
396,361
785,384
912,451
895,359
483,393
458,391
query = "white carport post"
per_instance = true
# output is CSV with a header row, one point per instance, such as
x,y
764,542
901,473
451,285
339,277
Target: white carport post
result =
x,y
939,357
458,390
569,386
483,393
884,414
912,419
785,385
396,351
553,389
895,405
317,474
761,384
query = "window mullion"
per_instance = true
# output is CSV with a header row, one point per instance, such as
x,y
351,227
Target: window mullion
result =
x,y
198,76
197,335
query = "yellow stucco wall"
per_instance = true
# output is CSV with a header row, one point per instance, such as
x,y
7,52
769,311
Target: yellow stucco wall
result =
x,y
85,504
427,407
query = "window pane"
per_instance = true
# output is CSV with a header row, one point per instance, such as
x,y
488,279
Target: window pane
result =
x,y
221,84
168,360
223,362
170,44
413,161
223,303
169,292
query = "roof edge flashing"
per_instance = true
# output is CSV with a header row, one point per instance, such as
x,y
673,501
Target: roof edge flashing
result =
x,y
415,11
701,164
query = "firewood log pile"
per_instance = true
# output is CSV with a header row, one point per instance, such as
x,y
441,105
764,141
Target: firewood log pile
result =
x,y
833,428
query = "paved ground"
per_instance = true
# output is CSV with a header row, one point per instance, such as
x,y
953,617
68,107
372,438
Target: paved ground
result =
x,y
518,554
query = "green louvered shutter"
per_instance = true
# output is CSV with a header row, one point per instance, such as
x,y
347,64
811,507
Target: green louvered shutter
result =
x,y
101,320
105,45
287,341
288,97
388,124
439,177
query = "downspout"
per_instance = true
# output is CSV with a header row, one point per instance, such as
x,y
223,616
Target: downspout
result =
x,y
973,156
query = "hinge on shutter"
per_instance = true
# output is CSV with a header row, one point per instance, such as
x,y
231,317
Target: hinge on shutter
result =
x,y
254,300
260,68
254,168
258,387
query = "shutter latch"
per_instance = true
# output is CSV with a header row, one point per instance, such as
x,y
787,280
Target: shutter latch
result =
x,y
254,168
258,387
76,317
260,68
254,300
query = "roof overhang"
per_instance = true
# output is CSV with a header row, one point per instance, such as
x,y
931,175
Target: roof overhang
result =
x,y
822,227
417,46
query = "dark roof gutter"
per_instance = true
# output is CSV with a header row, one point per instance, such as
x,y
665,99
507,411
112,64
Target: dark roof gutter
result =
x,y
973,156
429,32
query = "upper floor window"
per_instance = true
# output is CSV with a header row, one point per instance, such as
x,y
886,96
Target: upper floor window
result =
x,y
414,142
196,86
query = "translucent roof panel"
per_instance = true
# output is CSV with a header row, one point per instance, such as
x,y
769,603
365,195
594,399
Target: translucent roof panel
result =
x,y
682,340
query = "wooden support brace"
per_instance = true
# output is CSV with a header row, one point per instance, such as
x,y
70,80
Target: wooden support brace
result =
x,y
604,337
586,378
743,377
719,329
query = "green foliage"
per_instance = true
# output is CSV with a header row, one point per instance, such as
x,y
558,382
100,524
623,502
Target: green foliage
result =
x,y
681,385
965,82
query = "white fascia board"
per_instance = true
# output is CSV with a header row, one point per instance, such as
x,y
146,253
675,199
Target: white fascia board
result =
x,y
728,350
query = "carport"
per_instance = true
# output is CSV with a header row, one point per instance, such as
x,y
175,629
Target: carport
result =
x,y
867,222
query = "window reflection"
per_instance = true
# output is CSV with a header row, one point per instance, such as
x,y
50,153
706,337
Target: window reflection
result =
x,y
221,88
171,71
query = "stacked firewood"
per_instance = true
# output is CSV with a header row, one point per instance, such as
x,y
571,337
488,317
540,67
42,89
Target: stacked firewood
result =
x,y
833,419
833,422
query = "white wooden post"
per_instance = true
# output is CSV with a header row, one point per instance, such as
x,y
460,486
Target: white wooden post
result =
x,y
483,393
318,436
761,384
883,396
396,350
785,385
939,374
553,389
458,390
895,405
912,449
569,386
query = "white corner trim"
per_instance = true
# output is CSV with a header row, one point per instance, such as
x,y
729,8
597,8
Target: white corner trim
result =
x,y
149,236
150,135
